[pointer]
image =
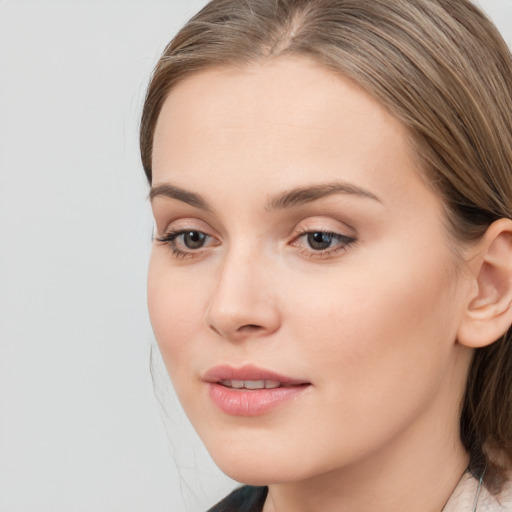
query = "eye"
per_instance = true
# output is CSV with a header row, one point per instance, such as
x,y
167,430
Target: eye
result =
x,y
322,244
193,239
320,241
186,242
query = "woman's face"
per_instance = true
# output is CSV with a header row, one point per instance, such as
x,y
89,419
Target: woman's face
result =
x,y
301,286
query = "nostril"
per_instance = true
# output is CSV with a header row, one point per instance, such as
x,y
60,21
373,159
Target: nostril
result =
x,y
249,328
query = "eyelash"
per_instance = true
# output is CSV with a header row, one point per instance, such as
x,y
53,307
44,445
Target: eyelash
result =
x,y
170,237
344,242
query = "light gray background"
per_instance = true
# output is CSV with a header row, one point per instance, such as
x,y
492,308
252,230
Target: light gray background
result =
x,y
80,429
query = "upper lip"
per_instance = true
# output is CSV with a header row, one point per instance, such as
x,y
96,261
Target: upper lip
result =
x,y
247,372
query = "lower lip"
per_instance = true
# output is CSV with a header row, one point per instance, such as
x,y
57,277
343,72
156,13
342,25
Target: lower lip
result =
x,y
253,402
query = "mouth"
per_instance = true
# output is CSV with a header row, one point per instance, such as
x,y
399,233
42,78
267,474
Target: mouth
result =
x,y
257,384
251,391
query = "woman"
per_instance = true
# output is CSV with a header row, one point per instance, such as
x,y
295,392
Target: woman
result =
x,y
330,284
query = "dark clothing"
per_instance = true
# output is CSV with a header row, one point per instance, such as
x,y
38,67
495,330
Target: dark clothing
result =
x,y
243,499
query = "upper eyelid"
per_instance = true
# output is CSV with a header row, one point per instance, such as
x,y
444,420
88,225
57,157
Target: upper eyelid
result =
x,y
339,236
185,224
179,232
309,226
323,223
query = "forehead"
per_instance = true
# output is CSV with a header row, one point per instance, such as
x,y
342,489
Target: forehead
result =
x,y
280,124
294,93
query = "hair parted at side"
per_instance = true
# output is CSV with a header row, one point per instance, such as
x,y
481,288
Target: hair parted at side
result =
x,y
443,70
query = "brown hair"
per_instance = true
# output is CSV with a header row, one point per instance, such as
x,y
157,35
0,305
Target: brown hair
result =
x,y
443,70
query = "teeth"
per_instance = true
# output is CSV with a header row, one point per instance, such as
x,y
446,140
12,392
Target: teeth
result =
x,y
254,384
251,384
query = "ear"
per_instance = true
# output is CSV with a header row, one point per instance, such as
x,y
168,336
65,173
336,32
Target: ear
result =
x,y
488,314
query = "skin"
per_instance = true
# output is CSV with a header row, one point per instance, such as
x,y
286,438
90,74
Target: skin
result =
x,y
371,324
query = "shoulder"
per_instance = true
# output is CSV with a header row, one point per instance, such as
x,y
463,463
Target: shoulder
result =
x,y
468,496
243,499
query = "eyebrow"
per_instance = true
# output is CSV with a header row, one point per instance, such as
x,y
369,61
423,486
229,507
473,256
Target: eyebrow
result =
x,y
284,200
308,194
180,194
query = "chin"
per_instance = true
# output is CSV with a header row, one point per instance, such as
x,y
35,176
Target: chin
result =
x,y
256,473
243,464
259,466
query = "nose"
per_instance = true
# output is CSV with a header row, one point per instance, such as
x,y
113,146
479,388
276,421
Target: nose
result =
x,y
244,301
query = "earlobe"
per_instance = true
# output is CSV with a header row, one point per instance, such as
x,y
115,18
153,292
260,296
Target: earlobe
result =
x,y
488,313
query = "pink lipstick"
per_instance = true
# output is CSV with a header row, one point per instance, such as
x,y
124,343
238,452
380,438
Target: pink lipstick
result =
x,y
249,390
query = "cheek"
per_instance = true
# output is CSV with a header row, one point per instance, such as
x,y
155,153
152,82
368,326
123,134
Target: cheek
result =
x,y
377,342
374,326
176,310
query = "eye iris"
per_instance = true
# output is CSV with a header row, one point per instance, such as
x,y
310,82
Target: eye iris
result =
x,y
319,241
194,239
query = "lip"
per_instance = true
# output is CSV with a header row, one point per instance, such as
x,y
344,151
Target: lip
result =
x,y
251,402
247,372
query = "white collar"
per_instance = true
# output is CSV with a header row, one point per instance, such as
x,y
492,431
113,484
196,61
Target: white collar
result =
x,y
468,497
